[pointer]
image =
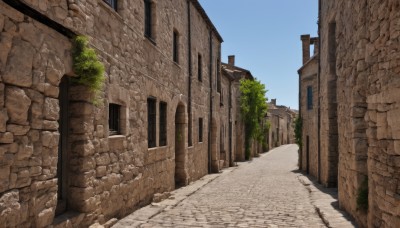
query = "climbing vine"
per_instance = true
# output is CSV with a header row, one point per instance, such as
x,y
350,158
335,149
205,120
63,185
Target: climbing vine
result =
x,y
253,107
362,196
298,127
87,67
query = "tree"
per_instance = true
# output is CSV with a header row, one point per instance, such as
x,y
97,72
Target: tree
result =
x,y
253,107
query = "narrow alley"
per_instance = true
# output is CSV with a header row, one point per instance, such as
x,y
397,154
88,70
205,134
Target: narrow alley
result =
x,y
265,192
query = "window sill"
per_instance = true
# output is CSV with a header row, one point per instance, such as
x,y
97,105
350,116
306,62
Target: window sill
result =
x,y
151,40
116,137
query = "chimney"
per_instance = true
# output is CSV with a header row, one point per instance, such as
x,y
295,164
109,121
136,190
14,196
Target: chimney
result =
x,y
305,39
231,60
273,101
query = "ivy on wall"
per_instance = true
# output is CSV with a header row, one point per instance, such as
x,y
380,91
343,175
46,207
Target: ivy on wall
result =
x,y
87,67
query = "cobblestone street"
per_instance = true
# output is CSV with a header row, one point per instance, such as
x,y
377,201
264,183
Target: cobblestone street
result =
x,y
265,192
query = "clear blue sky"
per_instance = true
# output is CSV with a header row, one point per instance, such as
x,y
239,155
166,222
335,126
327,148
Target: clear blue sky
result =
x,y
264,35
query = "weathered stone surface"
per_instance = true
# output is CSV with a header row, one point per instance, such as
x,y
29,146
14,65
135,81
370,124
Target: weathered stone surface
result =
x,y
19,65
45,218
51,109
17,104
4,178
6,137
18,129
3,120
50,139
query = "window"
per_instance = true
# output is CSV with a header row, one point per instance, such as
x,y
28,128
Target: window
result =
x,y
218,76
200,68
112,3
114,119
221,100
151,121
309,98
163,124
175,47
200,129
148,19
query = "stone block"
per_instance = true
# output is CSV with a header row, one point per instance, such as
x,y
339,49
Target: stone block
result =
x,y
2,92
51,109
17,104
103,159
18,129
4,178
19,64
6,137
45,217
50,139
24,152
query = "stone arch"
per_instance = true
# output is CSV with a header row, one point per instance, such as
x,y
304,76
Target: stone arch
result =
x,y
181,174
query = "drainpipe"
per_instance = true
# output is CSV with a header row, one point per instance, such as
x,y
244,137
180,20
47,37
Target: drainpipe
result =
x,y
319,91
211,106
190,131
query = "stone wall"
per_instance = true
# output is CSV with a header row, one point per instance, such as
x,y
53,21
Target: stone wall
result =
x,y
108,176
309,152
359,71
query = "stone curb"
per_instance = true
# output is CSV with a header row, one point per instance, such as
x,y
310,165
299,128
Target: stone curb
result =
x,y
142,215
325,201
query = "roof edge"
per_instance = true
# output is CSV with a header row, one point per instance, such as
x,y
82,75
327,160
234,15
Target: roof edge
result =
x,y
203,13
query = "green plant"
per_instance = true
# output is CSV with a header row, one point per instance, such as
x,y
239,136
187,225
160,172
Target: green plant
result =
x,y
253,107
298,128
87,67
362,195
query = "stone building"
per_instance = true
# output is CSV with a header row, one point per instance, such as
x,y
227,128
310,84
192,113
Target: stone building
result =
x,y
235,74
160,124
308,107
358,89
281,129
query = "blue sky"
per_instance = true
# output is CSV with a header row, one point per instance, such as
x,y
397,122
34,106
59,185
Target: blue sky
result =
x,y
264,35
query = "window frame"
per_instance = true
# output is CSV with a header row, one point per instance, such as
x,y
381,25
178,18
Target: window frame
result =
x,y
114,119
200,130
163,109
148,19
199,67
112,3
175,46
309,98
151,122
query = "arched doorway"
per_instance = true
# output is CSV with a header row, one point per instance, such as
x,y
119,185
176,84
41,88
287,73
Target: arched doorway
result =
x,y
180,139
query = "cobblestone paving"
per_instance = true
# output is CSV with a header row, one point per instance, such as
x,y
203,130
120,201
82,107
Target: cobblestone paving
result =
x,y
262,193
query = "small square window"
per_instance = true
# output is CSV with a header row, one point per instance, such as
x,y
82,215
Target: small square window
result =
x,y
114,117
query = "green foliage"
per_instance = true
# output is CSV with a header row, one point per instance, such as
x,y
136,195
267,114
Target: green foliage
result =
x,y
267,126
253,107
87,66
362,196
298,127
